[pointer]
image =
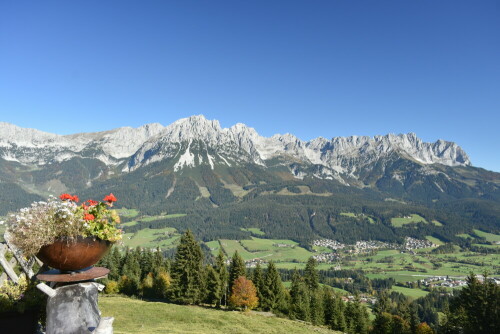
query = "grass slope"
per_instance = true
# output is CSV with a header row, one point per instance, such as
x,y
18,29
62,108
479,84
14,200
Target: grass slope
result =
x,y
141,317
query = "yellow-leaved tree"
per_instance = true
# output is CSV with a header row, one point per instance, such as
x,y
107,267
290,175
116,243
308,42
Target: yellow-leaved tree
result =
x,y
244,294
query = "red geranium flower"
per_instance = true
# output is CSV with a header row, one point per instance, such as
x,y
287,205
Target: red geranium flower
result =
x,y
68,197
110,199
88,216
65,197
92,202
84,206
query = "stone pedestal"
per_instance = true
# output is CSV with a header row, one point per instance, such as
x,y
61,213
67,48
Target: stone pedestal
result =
x,y
72,309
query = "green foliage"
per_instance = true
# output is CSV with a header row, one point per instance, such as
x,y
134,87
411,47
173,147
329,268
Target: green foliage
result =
x,y
221,270
111,287
213,290
475,310
273,295
186,271
311,277
236,269
299,299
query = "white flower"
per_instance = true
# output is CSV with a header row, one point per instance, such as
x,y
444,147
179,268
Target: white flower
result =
x,y
2,222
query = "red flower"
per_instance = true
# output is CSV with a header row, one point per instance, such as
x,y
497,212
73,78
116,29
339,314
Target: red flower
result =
x,y
110,199
68,197
92,202
65,197
88,216
84,206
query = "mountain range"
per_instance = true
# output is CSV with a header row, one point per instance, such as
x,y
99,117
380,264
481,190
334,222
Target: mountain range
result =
x,y
197,167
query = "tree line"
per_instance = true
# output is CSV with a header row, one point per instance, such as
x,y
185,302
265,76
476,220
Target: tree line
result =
x,y
189,278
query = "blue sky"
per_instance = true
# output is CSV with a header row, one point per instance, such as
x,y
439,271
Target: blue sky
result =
x,y
311,68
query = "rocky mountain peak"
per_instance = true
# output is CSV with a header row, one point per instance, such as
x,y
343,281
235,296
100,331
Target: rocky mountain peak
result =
x,y
197,140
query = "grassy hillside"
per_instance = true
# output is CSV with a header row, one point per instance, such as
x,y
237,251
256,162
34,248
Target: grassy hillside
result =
x,y
141,317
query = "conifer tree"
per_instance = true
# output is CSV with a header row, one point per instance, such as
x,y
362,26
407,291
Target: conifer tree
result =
x,y
213,286
220,268
258,281
146,262
114,264
186,271
414,318
131,267
311,276
236,269
274,297
158,261
299,298
356,317
317,310
476,309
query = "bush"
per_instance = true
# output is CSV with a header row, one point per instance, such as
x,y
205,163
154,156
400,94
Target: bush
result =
x,y
111,288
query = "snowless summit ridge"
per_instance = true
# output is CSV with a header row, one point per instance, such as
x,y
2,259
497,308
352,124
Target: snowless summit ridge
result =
x,y
195,140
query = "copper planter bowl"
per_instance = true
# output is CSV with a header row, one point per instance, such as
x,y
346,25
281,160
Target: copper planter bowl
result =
x,y
73,254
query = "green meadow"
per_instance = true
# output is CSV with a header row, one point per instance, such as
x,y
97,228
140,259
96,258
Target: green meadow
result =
x,y
133,316
152,238
414,218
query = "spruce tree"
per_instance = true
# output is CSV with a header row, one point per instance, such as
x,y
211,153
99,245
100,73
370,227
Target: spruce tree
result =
x,y
356,317
158,261
317,310
213,286
299,299
236,269
274,297
186,271
131,267
114,264
146,262
476,309
220,268
311,276
258,281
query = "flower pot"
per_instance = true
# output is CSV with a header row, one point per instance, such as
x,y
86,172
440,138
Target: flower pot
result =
x,y
68,254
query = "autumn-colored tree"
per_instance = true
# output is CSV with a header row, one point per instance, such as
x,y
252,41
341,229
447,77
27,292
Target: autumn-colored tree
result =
x,y
244,294
423,328
161,283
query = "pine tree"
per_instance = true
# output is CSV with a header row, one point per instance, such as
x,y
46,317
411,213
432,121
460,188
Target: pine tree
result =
x,y
236,269
299,299
356,317
114,264
213,286
317,310
158,261
258,281
220,268
476,309
334,311
186,271
274,297
311,276
131,267
414,318
382,323
146,262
